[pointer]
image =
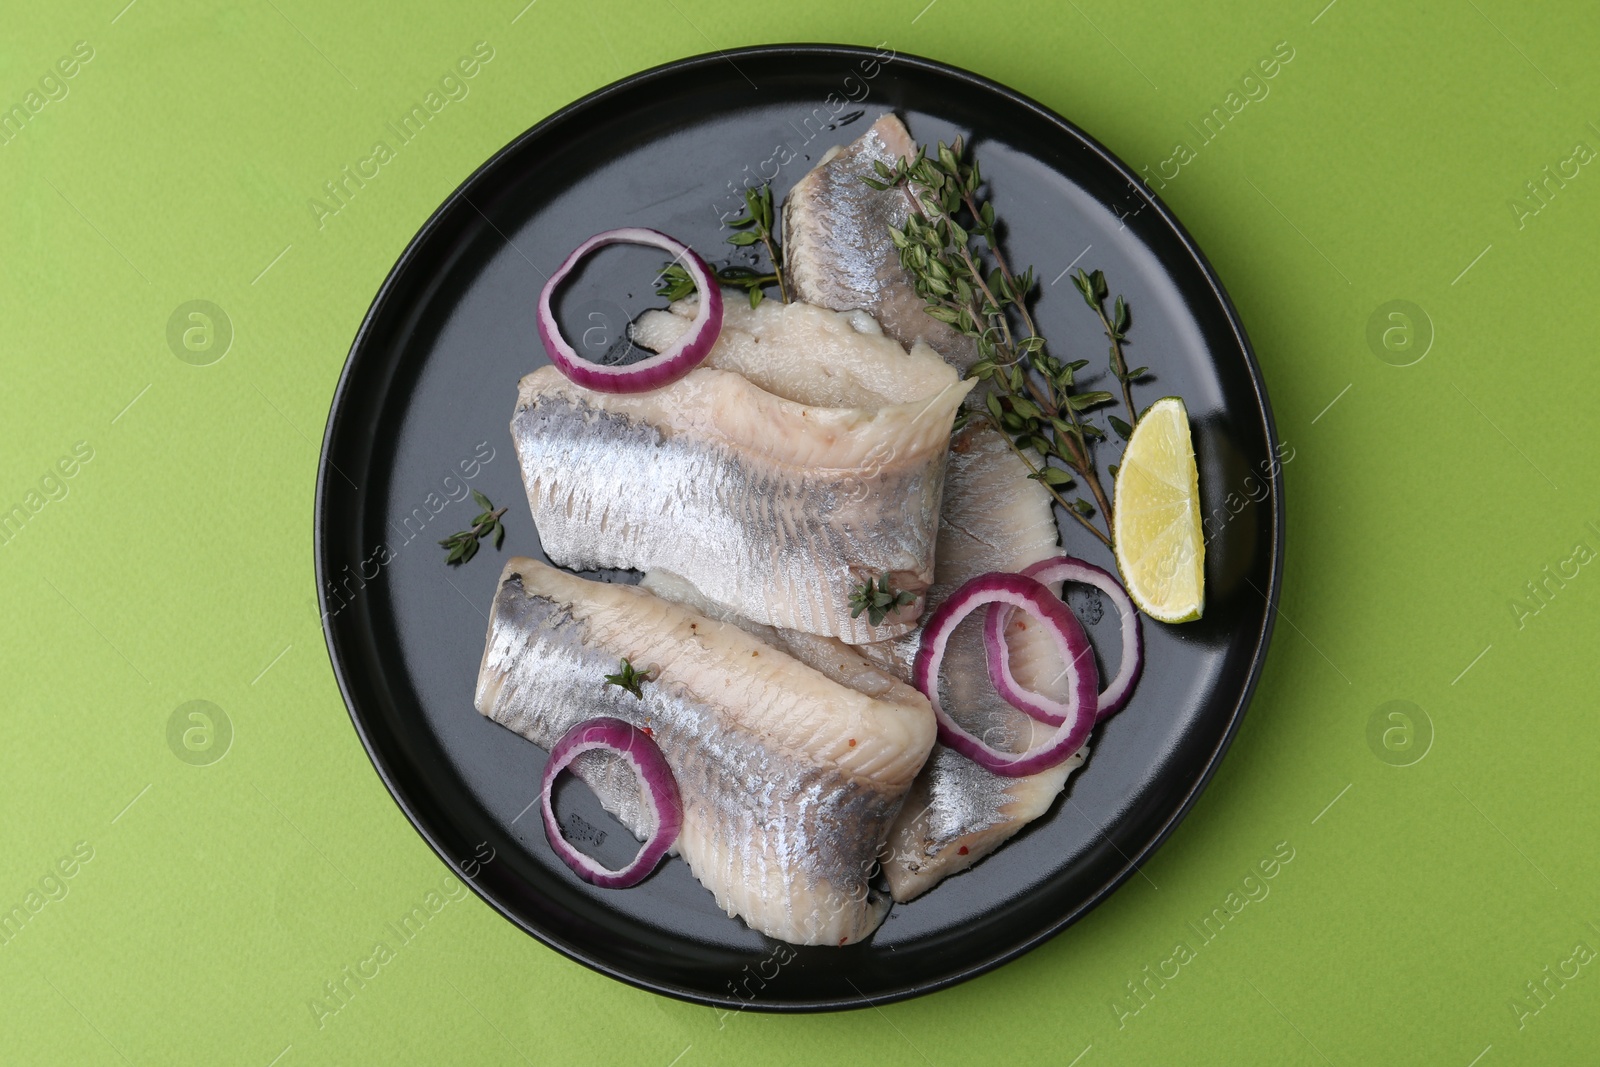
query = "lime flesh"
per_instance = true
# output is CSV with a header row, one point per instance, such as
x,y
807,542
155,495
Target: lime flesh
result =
x,y
1160,547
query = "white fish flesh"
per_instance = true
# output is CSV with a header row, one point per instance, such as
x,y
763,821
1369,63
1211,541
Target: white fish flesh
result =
x,y
777,508
836,246
789,780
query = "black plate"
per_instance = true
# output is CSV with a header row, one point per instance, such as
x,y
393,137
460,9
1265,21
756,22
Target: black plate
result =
x,y
433,373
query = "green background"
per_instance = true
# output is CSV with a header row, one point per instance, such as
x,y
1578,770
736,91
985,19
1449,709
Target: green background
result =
x,y
178,566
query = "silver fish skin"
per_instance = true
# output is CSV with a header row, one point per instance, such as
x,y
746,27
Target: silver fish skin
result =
x,y
789,780
836,246
777,509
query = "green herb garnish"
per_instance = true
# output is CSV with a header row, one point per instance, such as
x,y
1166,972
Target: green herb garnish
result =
x,y
878,600
464,545
754,226
1035,400
630,679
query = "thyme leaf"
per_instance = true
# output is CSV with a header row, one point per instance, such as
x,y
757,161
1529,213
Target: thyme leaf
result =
x,y
878,600
630,679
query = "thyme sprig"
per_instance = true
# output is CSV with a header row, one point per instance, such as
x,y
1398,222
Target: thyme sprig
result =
x,y
1035,400
1092,285
464,544
878,600
755,226
630,678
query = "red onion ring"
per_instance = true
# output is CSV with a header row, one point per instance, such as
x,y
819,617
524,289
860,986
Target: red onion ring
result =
x,y
1018,591
660,792
662,369
1052,712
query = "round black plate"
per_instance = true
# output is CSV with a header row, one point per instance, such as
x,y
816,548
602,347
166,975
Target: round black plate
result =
x,y
426,399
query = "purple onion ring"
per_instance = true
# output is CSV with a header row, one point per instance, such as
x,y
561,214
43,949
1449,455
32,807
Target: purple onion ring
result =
x,y
662,369
660,794
1017,591
1116,694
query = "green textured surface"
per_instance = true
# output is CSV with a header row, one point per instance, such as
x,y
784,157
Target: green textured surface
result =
x,y
1382,165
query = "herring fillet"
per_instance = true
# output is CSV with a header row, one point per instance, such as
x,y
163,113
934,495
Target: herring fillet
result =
x,y
775,508
836,246
789,780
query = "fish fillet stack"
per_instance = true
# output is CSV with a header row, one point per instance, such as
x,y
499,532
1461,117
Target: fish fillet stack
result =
x,y
810,452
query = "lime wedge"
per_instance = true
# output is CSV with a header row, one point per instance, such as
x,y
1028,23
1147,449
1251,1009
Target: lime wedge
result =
x,y
1156,520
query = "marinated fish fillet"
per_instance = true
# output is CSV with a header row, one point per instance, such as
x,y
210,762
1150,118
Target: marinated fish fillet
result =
x,y
836,246
789,780
806,353
775,508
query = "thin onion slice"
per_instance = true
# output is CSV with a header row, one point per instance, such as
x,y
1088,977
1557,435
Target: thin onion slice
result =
x,y
662,369
660,795
1017,591
1115,696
